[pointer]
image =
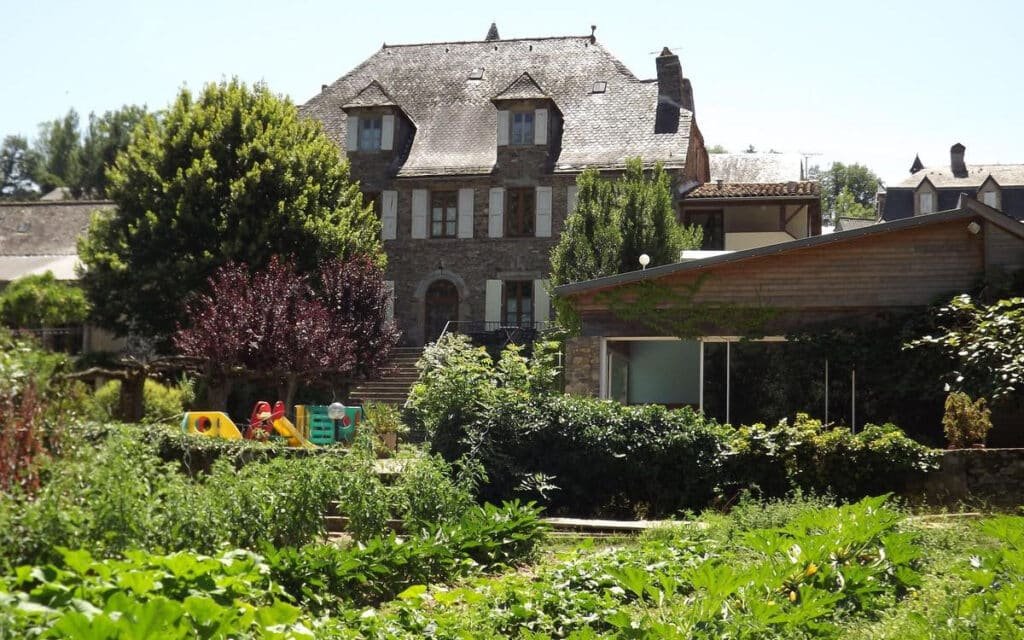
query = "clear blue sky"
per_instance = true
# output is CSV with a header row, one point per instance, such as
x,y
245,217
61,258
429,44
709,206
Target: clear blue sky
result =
x,y
873,82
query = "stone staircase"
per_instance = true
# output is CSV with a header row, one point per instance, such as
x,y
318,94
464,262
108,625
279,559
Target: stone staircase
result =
x,y
391,388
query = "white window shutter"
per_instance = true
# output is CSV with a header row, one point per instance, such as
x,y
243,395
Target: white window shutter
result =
x,y
388,215
492,301
570,199
419,213
496,213
465,213
541,301
353,133
502,128
540,126
387,133
389,310
543,226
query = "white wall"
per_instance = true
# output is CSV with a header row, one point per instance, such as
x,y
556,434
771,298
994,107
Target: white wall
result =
x,y
741,241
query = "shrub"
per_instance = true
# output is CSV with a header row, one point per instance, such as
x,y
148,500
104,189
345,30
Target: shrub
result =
x,y
965,422
161,403
430,491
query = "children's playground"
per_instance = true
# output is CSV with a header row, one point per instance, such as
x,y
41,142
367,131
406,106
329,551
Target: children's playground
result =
x,y
314,425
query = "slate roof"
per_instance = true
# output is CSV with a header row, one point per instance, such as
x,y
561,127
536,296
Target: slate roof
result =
x,y
1007,175
372,95
756,167
845,224
456,121
755,190
40,236
522,88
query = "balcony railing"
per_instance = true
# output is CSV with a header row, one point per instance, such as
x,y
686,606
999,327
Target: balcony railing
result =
x,y
498,334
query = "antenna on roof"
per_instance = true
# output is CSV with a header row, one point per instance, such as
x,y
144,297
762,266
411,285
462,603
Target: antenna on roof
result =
x,y
593,38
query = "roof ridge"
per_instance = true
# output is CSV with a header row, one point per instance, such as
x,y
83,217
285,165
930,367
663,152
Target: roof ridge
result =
x,y
48,203
495,42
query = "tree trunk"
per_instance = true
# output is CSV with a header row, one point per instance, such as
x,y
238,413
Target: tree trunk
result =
x,y
217,392
292,385
131,405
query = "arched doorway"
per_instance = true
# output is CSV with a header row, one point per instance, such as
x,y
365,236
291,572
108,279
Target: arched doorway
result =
x,y
442,305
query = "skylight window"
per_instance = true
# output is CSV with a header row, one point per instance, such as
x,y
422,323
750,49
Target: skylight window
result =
x,y
476,74
599,87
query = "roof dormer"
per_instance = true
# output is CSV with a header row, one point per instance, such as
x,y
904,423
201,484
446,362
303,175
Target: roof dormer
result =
x,y
373,120
523,113
925,198
990,194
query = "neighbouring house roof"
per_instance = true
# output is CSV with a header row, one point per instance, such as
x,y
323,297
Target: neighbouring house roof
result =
x,y
754,190
372,95
40,236
756,167
969,208
1007,175
845,224
456,120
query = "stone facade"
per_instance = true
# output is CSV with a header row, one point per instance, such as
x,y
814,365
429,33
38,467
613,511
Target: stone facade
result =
x,y
583,366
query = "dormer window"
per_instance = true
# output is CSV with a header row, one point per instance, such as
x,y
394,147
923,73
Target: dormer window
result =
x,y
927,202
370,130
925,198
521,132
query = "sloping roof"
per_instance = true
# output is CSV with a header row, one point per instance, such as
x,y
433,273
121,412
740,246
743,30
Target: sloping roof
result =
x,y
754,190
756,167
45,228
970,208
14,267
1007,175
456,121
522,88
845,224
372,95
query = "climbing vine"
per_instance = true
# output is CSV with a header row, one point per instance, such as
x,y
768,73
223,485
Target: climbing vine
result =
x,y
672,311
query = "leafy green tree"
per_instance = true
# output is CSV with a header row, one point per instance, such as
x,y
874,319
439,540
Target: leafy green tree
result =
x,y
590,244
232,174
647,219
55,158
861,182
717,149
846,206
15,182
106,136
38,301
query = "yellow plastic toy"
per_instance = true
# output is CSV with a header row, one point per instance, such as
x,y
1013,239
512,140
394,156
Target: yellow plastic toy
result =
x,y
215,424
212,424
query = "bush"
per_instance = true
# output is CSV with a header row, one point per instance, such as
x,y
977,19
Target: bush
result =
x,y
161,403
965,422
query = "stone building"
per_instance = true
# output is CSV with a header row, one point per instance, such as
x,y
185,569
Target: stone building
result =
x,y
470,151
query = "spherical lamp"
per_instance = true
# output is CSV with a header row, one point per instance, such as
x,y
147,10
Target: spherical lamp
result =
x,y
336,411
644,260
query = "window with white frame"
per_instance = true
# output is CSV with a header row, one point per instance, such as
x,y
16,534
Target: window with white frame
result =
x,y
370,129
926,201
444,214
989,198
521,128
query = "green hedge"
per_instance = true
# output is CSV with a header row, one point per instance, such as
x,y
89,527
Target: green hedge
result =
x,y
586,456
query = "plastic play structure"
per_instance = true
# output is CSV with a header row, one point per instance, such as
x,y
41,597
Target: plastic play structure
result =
x,y
317,425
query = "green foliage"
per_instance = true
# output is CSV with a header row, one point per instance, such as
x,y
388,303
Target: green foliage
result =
x,y
36,301
232,174
149,596
591,240
846,206
807,456
485,538
15,182
861,183
966,422
647,218
985,343
717,149
120,494
55,160
606,458
161,403
107,136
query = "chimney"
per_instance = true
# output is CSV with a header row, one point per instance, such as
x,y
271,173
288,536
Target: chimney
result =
x,y
956,160
670,92
687,102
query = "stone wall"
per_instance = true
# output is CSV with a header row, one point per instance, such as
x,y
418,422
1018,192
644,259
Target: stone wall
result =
x,y
973,476
583,366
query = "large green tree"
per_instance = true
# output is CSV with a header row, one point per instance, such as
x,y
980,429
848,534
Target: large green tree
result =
x,y
232,174
15,181
861,182
39,301
56,154
106,136
590,244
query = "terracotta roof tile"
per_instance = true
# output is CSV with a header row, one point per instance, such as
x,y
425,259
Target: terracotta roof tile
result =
x,y
755,190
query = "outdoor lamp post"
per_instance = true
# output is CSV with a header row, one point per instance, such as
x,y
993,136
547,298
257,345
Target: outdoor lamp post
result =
x,y
644,260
